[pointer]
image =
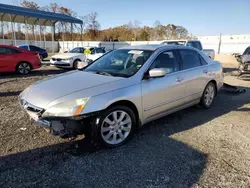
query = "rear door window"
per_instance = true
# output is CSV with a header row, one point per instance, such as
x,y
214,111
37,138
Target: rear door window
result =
x,y
168,61
4,50
34,49
203,61
190,59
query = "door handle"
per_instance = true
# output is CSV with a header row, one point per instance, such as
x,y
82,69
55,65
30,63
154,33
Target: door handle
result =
x,y
179,79
205,71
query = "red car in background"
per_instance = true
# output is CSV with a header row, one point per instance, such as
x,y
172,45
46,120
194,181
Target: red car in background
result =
x,y
13,59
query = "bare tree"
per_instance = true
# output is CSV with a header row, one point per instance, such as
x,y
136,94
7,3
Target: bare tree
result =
x,y
181,32
134,26
32,5
92,25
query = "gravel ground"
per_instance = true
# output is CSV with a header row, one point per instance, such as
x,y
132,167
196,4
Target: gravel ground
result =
x,y
190,148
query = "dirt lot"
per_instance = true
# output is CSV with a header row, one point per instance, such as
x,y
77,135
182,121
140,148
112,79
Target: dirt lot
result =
x,y
191,148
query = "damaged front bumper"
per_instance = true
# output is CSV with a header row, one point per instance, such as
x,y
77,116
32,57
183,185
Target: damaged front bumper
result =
x,y
64,127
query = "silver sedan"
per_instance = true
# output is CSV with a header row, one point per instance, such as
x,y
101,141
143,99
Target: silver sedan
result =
x,y
123,90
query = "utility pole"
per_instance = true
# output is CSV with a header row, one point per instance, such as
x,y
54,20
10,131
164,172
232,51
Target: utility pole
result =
x,y
219,44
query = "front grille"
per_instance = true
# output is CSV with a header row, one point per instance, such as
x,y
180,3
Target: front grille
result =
x,y
62,65
29,107
56,59
33,109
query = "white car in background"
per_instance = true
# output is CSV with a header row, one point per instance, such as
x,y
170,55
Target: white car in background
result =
x,y
71,58
193,43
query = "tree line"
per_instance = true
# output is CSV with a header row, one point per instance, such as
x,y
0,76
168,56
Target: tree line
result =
x,y
132,31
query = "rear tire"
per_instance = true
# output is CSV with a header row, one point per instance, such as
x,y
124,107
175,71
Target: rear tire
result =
x,y
41,57
115,127
23,68
208,95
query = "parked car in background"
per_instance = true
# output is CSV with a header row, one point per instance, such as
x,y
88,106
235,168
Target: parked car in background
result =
x,y
70,59
122,90
42,52
244,63
193,43
13,59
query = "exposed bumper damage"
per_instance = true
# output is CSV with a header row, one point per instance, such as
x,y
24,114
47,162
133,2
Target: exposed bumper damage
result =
x,y
244,68
64,127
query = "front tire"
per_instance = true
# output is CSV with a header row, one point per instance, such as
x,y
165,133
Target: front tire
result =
x,y
75,64
208,95
116,126
23,68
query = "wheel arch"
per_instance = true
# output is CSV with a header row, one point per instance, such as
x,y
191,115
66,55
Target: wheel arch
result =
x,y
131,105
215,84
77,59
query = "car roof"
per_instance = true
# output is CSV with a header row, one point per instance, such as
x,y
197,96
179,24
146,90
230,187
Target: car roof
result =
x,y
8,46
24,45
153,47
191,40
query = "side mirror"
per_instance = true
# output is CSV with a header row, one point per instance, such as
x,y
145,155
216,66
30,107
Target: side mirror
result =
x,y
81,65
65,51
157,72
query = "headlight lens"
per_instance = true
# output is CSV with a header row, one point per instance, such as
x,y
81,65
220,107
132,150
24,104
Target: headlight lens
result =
x,y
68,59
65,109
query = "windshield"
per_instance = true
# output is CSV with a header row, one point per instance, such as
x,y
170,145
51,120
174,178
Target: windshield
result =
x,y
76,50
122,63
24,47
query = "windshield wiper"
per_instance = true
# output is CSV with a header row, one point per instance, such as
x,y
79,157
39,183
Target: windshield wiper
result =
x,y
120,74
102,73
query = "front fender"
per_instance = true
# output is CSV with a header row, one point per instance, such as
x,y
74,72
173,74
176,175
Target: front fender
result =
x,y
103,101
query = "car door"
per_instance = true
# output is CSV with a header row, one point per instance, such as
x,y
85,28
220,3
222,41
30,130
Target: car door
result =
x,y
195,70
165,93
95,54
8,59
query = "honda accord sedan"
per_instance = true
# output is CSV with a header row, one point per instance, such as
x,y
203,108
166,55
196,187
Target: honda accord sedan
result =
x,y
121,91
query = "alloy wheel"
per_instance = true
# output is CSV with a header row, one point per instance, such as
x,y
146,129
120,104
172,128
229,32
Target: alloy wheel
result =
x,y
116,127
24,68
209,95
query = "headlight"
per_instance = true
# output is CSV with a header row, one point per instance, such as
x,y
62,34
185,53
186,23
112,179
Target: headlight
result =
x,y
65,109
68,59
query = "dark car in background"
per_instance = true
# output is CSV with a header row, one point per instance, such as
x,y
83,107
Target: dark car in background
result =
x,y
42,52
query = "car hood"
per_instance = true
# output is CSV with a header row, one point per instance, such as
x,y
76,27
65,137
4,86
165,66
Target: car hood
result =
x,y
46,91
67,55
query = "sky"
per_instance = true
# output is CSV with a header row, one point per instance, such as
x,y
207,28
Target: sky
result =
x,y
199,17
